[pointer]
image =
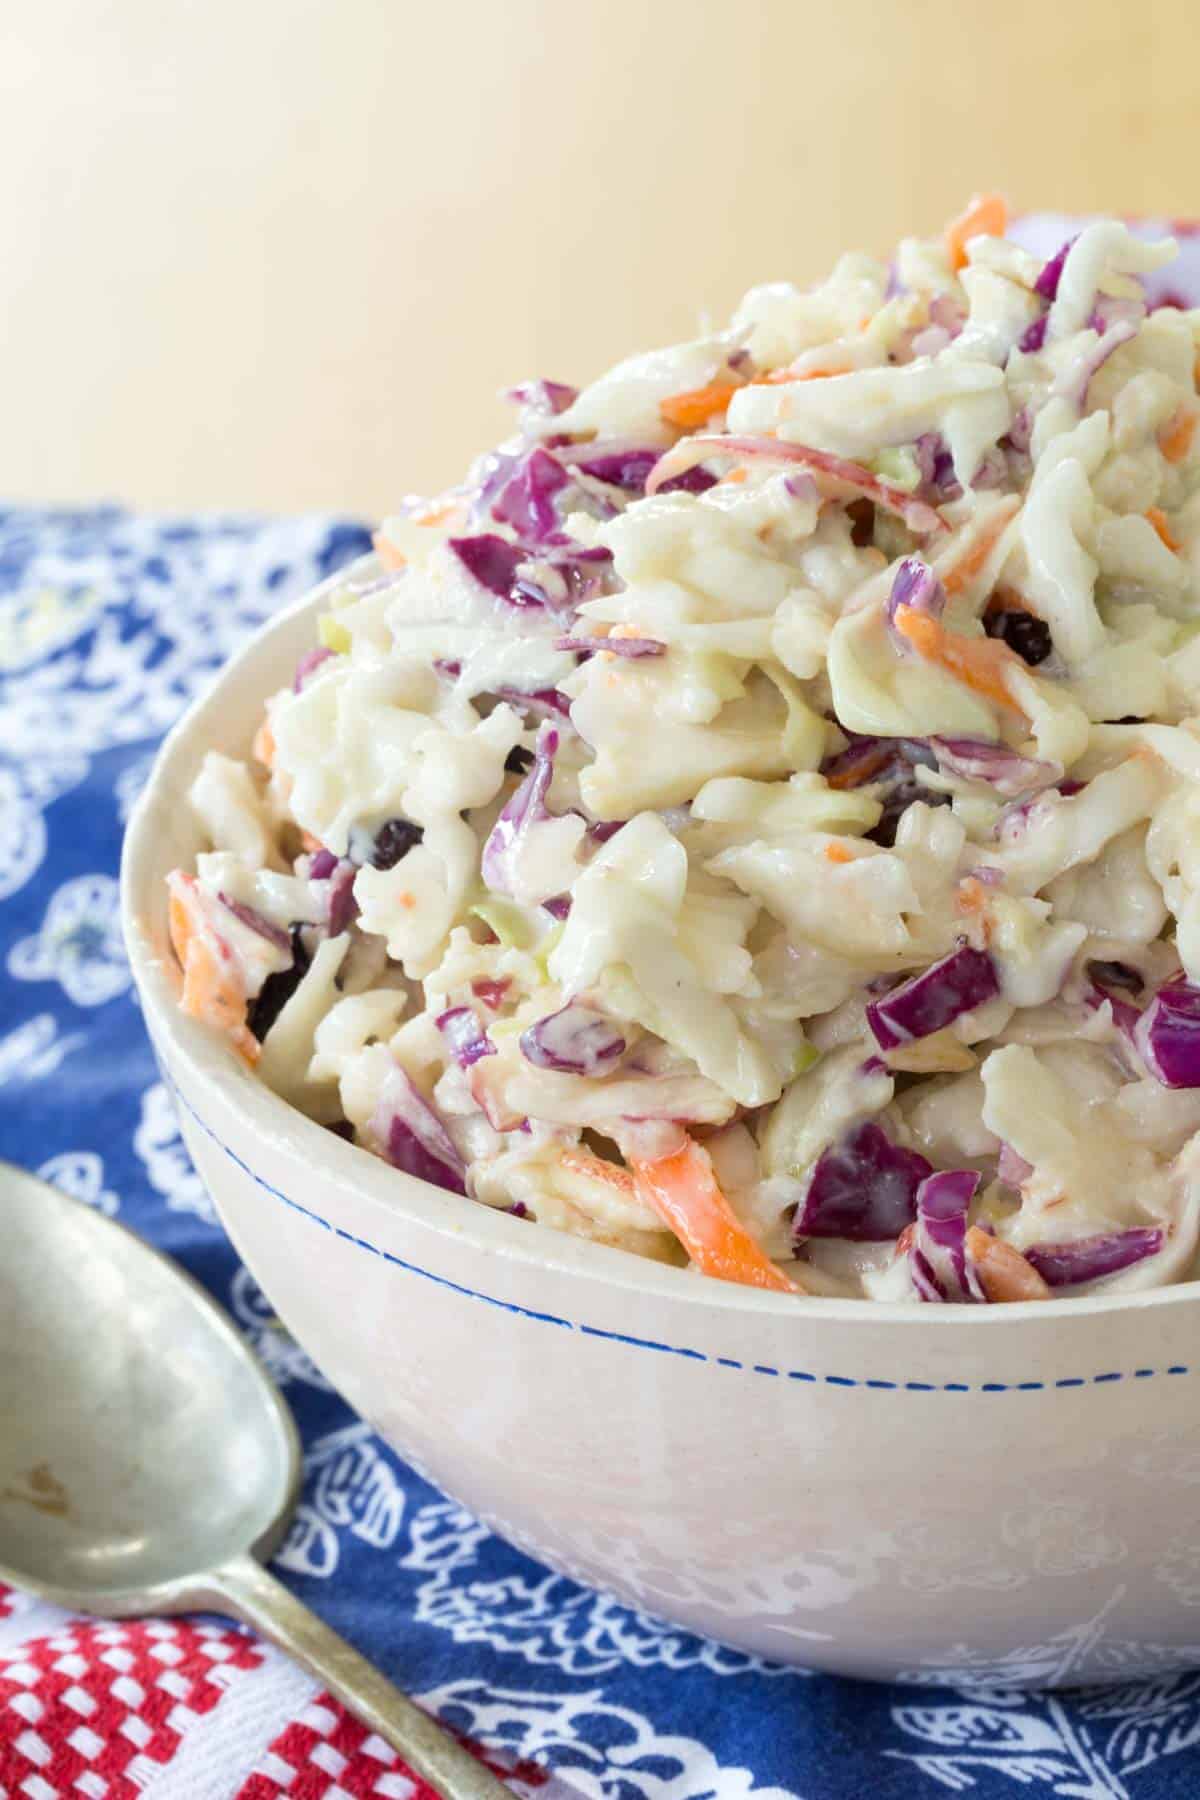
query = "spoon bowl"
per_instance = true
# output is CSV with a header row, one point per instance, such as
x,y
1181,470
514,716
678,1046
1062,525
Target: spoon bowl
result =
x,y
143,1445
147,1461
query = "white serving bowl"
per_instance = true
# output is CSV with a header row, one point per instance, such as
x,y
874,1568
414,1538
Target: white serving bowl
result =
x,y
1005,1495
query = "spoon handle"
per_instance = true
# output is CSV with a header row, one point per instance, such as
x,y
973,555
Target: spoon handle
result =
x,y
245,1589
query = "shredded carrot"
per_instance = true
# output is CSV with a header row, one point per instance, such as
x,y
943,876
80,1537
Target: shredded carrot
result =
x,y
734,478
980,663
389,556
837,853
683,1191
310,843
1175,439
439,511
972,899
263,747
1003,1272
985,215
696,407
581,1162
863,771
791,374
211,992
956,578
971,895
1158,519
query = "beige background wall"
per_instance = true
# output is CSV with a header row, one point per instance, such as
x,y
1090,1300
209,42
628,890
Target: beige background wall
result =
x,y
282,253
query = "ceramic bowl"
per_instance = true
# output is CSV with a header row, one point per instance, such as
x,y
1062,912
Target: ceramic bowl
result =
x,y
1005,1495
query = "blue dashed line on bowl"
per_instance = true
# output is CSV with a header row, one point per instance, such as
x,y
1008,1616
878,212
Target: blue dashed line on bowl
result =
x,y
638,1343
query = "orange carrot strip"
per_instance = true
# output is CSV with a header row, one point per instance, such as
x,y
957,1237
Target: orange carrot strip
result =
x,y
985,215
210,993
863,771
980,663
837,853
1158,519
690,410
389,556
1175,439
789,374
439,511
263,747
956,578
1004,1273
683,1191
581,1162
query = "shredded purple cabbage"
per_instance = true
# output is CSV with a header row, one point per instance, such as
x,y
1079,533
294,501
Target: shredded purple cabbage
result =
x,y
323,864
310,661
1033,338
490,560
864,1187
418,1142
615,646
934,999
1075,382
545,703
1019,435
936,467
1011,1167
467,1039
940,1267
254,921
624,467
917,587
1051,273
886,764
547,397
526,500
1167,1035
562,576
947,314
525,807
1004,769
1091,1258
577,1040
491,990
342,907
696,480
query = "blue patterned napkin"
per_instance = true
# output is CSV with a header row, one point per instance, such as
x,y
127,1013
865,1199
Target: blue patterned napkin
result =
x,y
109,624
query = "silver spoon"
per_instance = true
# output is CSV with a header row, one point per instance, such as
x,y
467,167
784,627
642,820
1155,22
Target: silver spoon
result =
x,y
147,1462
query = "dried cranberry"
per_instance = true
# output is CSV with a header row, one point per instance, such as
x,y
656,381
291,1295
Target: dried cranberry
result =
x,y
278,989
1022,632
392,841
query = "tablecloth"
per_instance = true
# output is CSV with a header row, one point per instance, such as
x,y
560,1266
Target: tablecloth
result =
x,y
109,623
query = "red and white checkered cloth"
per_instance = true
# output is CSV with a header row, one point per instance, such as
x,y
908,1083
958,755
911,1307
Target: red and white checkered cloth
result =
x,y
170,1709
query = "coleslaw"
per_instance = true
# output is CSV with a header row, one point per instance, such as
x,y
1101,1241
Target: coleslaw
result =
x,y
754,820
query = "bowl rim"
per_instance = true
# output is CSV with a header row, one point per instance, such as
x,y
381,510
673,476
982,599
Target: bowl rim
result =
x,y
228,1085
